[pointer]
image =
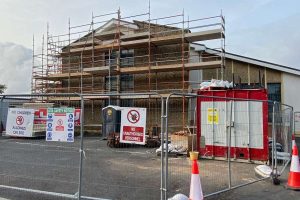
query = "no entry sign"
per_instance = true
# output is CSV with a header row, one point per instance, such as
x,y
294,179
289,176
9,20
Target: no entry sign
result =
x,y
133,125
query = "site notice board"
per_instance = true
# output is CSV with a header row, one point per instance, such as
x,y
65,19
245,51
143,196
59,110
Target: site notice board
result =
x,y
133,125
60,124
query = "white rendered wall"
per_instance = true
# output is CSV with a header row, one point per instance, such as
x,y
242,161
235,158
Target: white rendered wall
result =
x,y
290,90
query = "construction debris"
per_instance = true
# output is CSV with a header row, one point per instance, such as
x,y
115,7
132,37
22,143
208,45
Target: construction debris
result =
x,y
216,83
181,133
172,148
263,171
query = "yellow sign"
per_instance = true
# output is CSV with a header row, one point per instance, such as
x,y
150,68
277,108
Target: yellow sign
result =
x,y
212,116
109,112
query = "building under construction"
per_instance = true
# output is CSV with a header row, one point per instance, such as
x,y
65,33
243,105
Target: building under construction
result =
x,y
128,54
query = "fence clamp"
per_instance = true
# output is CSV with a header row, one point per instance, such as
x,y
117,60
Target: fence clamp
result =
x,y
83,152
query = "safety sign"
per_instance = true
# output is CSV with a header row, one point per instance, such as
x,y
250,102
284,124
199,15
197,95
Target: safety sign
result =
x,y
133,125
60,124
40,116
212,116
19,122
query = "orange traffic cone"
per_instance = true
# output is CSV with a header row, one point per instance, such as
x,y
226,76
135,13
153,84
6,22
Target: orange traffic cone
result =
x,y
294,176
195,189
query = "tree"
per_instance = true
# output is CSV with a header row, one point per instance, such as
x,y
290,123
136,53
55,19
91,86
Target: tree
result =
x,y
2,88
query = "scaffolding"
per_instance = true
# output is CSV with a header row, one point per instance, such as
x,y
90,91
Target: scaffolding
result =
x,y
126,54
93,60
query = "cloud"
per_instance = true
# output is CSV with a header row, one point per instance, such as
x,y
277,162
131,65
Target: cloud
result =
x,y
15,68
277,42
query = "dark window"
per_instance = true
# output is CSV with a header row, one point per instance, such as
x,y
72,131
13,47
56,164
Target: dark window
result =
x,y
127,58
274,94
112,57
113,83
126,83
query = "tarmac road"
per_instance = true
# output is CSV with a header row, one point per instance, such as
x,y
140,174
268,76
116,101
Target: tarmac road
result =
x,y
128,173
263,190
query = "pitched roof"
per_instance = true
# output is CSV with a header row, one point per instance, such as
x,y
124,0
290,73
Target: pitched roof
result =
x,y
283,68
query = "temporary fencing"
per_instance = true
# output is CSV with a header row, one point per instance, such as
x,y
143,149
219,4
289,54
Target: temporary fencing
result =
x,y
249,128
30,164
282,130
222,123
91,167
115,170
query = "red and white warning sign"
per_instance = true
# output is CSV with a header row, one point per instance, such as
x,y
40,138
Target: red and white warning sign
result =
x,y
40,116
133,125
19,122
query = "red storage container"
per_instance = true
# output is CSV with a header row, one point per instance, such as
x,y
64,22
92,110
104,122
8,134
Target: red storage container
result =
x,y
249,127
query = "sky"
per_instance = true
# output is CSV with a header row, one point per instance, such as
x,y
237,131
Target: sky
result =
x,y
263,29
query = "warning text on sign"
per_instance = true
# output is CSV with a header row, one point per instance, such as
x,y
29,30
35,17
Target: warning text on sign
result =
x,y
133,125
133,133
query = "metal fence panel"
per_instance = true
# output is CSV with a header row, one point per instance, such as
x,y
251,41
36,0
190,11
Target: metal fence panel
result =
x,y
234,134
282,136
114,170
225,126
182,138
32,165
91,167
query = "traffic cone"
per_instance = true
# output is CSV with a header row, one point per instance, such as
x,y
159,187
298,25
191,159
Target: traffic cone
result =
x,y
293,141
195,189
294,176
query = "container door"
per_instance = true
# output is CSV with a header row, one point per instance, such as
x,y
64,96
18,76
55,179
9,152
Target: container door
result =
x,y
213,128
248,128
